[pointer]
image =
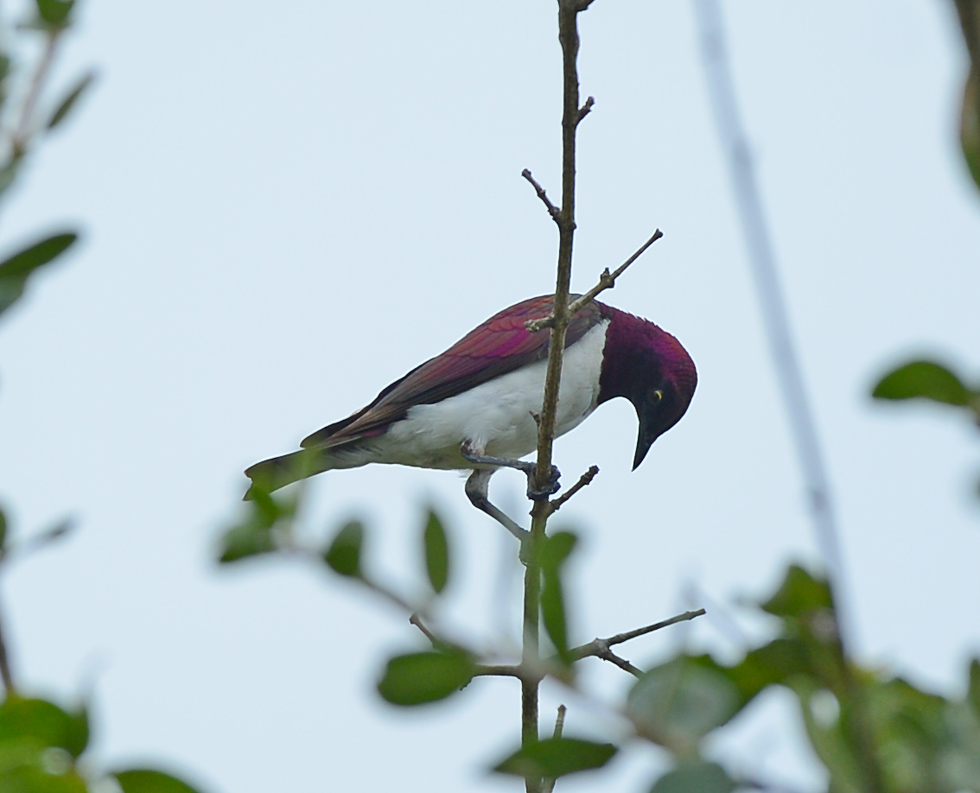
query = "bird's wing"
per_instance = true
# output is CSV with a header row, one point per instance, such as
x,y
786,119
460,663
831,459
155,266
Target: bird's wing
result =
x,y
498,346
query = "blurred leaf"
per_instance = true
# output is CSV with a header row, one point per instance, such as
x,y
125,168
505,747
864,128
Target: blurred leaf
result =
x,y
35,779
555,552
556,757
973,692
44,724
54,12
260,531
910,731
344,554
15,270
923,380
775,663
3,531
436,552
800,594
970,124
698,777
66,105
679,702
144,780
418,678
828,739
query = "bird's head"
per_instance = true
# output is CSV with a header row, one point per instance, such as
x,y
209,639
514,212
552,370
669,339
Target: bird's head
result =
x,y
649,367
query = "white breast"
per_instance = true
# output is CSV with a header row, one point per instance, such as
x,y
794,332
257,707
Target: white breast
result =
x,y
497,416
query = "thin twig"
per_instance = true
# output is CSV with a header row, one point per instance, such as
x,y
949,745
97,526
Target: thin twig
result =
x,y
416,620
552,209
38,541
499,670
584,110
584,481
22,132
594,647
560,721
607,280
549,784
786,363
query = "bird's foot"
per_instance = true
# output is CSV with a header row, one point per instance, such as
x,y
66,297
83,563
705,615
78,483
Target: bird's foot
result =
x,y
552,486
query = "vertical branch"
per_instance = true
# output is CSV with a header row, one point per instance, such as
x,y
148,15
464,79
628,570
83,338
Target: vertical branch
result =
x,y
762,259
786,363
571,115
568,37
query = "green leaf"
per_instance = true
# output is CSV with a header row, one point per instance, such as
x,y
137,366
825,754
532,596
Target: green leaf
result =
x,y
15,270
145,780
556,757
698,777
973,692
679,702
923,380
970,124
343,555
800,594
436,552
554,554
71,98
255,533
36,779
3,531
54,12
418,678
44,724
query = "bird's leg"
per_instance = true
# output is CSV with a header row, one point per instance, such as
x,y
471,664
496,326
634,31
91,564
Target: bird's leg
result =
x,y
478,491
529,469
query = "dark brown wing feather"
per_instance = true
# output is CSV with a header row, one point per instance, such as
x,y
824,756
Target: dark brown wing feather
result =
x,y
498,346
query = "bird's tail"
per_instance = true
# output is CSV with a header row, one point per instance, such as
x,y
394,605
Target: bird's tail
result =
x,y
269,475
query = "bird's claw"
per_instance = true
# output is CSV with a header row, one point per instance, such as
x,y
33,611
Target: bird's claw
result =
x,y
549,489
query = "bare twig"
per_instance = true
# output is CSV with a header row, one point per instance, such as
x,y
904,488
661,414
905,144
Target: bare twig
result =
x,y
786,363
552,209
584,110
584,481
22,132
595,647
549,784
416,620
560,721
38,541
607,280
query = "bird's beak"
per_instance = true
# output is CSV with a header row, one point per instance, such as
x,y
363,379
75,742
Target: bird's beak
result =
x,y
652,426
643,443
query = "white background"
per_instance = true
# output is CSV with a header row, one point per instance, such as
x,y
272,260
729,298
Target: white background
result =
x,y
287,206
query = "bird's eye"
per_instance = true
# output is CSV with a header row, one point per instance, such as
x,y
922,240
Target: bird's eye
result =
x,y
658,395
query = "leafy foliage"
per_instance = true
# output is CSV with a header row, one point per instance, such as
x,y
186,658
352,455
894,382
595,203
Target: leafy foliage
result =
x,y
420,678
556,757
924,380
16,269
343,555
436,547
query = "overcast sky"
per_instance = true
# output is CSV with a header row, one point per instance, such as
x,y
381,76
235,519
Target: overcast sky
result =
x,y
286,207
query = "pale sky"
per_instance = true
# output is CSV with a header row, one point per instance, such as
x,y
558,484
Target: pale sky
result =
x,y
287,207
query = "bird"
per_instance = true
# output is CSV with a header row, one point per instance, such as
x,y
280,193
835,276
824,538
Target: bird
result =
x,y
474,407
